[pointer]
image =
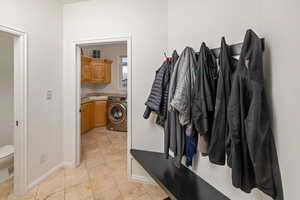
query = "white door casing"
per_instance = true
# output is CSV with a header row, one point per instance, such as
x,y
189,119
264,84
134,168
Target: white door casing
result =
x,y
20,108
77,61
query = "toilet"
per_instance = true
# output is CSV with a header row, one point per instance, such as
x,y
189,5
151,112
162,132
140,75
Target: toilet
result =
x,y
6,162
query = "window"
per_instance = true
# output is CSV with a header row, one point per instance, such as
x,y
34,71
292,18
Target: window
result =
x,y
123,72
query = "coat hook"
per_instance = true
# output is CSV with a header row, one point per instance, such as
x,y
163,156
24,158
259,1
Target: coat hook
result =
x,y
165,55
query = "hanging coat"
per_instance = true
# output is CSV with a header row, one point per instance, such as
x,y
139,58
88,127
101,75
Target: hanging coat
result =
x,y
163,111
158,98
254,158
204,100
220,142
172,125
180,97
182,85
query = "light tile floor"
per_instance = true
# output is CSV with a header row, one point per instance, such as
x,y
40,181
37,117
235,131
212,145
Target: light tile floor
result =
x,y
101,175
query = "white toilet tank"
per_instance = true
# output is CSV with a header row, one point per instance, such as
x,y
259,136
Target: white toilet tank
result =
x,y
6,162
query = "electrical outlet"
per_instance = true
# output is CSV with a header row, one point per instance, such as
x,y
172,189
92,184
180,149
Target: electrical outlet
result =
x,y
49,94
42,159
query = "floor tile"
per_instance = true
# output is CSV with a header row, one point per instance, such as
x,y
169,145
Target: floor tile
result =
x,y
155,192
31,195
131,189
76,176
54,183
102,174
6,188
90,148
82,191
57,196
141,197
93,159
109,194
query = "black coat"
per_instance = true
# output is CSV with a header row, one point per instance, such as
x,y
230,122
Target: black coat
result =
x,y
205,93
254,158
220,141
158,98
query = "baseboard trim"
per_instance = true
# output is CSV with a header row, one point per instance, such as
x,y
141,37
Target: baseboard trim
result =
x,y
69,165
44,176
7,178
142,179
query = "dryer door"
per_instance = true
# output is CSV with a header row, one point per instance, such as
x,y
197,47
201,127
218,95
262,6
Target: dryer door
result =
x,y
117,113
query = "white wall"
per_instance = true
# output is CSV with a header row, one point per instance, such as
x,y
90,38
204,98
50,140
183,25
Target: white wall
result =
x,y
41,19
6,90
278,22
146,22
152,23
113,53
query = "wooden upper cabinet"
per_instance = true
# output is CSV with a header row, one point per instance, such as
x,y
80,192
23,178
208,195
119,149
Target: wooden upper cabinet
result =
x,y
98,72
86,69
95,70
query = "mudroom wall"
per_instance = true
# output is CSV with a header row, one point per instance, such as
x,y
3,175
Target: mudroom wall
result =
x,y
146,23
277,22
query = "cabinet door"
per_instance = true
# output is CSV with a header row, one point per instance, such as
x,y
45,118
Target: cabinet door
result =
x,y
100,113
82,69
91,115
88,72
82,120
86,69
99,72
108,72
87,121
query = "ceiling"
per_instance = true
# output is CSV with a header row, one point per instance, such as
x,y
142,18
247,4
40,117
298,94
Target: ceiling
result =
x,y
71,1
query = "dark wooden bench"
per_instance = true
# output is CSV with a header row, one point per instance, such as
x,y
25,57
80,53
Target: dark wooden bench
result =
x,y
179,183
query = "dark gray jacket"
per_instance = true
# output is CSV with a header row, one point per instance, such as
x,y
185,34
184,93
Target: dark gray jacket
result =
x,y
254,158
204,100
220,142
172,125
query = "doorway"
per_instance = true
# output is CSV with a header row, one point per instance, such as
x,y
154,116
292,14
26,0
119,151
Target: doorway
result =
x,y
99,93
17,124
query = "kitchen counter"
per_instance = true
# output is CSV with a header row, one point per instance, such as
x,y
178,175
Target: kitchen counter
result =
x,y
98,96
93,98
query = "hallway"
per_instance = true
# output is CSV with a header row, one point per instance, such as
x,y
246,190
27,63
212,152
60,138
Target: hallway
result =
x,y
101,175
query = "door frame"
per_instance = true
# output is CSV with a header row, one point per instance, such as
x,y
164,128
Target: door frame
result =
x,y
20,108
76,47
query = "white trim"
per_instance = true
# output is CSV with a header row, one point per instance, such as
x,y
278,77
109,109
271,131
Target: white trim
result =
x,y
69,165
78,101
129,109
20,108
7,178
142,179
76,51
45,176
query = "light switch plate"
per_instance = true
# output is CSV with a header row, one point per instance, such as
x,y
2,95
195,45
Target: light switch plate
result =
x,y
49,95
